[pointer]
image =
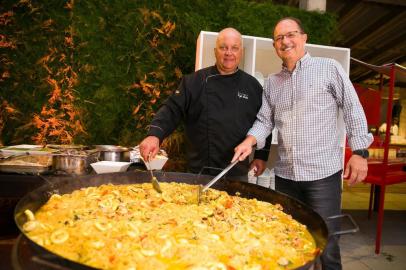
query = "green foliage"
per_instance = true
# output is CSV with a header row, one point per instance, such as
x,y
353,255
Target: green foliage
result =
x,y
32,29
128,55
259,19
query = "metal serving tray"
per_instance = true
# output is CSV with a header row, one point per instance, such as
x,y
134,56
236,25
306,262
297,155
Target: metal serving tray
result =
x,y
27,164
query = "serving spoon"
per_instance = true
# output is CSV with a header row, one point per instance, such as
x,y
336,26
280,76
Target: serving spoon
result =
x,y
154,180
203,189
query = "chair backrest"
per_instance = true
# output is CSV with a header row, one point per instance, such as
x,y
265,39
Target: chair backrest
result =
x,y
371,102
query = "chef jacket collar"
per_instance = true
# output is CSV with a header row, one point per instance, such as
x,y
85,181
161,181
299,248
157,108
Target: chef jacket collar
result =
x,y
215,71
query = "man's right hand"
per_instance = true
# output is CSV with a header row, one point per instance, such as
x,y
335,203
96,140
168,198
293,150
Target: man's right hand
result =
x,y
244,149
149,147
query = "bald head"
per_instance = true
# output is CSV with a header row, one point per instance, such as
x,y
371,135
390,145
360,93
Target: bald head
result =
x,y
228,50
228,32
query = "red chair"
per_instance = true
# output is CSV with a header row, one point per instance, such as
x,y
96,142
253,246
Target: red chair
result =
x,y
383,173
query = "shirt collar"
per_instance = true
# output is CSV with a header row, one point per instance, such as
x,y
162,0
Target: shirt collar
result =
x,y
305,60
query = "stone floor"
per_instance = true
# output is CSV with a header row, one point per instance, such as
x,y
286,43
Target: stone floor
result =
x,y
358,249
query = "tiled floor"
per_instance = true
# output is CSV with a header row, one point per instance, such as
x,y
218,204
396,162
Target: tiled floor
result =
x,y
358,250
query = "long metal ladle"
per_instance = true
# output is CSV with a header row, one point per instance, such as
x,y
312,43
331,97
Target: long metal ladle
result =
x,y
203,189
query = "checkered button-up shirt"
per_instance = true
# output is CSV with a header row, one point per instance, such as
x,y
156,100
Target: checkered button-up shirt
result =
x,y
304,105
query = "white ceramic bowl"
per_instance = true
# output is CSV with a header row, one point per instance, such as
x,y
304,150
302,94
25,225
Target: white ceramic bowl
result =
x,y
157,163
110,166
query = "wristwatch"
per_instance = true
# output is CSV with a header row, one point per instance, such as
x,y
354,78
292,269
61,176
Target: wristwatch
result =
x,y
361,152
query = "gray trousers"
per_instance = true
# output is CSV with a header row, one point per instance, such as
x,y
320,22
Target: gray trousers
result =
x,y
323,196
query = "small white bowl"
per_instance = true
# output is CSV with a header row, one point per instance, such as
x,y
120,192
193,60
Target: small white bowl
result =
x,y
110,166
157,163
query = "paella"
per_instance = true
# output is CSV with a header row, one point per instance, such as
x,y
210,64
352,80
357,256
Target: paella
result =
x,y
131,226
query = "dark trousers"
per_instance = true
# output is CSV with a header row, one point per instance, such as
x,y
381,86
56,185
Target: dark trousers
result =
x,y
324,196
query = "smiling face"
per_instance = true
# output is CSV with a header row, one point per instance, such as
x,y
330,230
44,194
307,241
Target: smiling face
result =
x,y
228,50
289,42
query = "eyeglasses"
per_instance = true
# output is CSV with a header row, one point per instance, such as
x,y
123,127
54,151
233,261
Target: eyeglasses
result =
x,y
233,49
289,35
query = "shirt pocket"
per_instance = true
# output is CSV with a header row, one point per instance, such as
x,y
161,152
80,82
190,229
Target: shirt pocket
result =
x,y
317,97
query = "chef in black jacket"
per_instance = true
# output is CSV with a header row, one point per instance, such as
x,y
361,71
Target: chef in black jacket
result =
x,y
218,105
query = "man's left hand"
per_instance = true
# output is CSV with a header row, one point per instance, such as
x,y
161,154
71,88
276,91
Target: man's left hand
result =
x,y
356,169
259,166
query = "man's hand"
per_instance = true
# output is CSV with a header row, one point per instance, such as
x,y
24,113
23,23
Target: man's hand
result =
x,y
356,169
244,149
259,166
149,147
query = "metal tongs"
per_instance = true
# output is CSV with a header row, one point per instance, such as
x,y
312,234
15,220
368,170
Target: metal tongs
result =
x,y
154,180
203,189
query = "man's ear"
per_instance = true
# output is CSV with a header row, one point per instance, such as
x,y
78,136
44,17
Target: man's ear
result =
x,y
305,37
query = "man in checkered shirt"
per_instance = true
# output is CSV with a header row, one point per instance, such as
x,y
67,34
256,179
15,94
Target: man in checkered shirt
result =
x,y
302,101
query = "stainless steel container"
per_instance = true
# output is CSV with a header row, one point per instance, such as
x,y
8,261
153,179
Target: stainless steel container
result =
x,y
113,153
74,163
67,147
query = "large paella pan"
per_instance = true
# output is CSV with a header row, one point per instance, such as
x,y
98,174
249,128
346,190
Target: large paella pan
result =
x,y
36,199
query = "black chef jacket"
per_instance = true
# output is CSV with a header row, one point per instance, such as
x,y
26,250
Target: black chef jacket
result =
x,y
218,110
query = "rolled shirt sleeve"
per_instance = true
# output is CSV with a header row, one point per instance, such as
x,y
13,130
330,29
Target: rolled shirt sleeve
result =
x,y
354,115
